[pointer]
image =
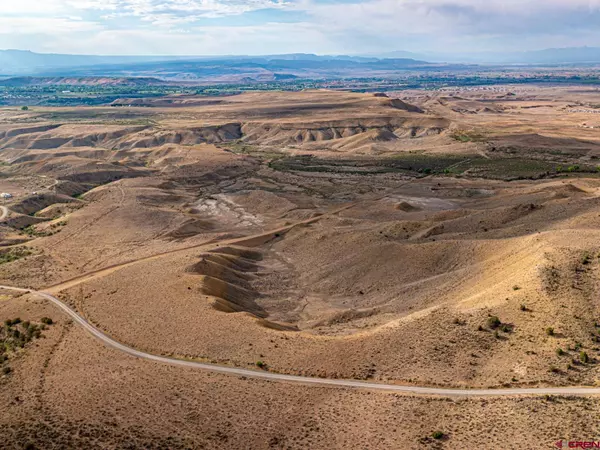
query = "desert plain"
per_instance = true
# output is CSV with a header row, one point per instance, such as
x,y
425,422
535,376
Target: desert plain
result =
x,y
433,238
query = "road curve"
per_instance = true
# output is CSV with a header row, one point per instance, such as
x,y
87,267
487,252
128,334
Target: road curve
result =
x,y
108,341
4,213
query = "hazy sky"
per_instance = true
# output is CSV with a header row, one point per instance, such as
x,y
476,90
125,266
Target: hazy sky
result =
x,y
204,27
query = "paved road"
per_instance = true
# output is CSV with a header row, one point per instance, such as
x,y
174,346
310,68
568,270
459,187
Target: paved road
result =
x,y
299,379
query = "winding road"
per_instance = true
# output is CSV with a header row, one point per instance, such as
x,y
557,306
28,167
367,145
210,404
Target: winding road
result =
x,y
261,374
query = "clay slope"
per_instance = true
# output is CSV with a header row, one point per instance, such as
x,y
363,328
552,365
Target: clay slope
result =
x,y
225,277
381,128
114,137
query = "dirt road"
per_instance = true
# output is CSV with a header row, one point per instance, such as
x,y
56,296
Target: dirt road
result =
x,y
263,374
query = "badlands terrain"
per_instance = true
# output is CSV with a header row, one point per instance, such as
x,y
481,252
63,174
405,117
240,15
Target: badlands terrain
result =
x,y
444,239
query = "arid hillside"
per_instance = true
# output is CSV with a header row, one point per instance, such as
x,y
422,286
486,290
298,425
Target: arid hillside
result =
x,y
443,239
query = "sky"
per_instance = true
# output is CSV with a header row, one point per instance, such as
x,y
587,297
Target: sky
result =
x,y
254,27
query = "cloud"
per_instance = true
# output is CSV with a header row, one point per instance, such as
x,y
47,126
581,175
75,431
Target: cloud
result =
x,y
457,16
320,26
41,25
211,40
151,9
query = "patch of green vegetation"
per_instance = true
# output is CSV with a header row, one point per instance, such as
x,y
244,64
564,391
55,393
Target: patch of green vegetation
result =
x,y
510,169
569,169
15,335
407,163
243,148
583,357
419,164
467,136
33,232
586,258
13,254
261,364
494,322
438,435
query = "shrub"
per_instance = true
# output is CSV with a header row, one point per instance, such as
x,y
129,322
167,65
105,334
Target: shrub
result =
x,y
524,307
260,364
550,331
6,370
438,435
494,322
583,357
560,351
586,259
14,254
507,328
516,288
46,320
24,108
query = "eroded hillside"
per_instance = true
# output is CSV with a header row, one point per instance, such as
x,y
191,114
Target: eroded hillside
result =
x,y
316,233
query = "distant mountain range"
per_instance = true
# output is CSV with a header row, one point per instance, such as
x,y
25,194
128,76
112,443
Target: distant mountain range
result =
x,y
219,69
19,62
568,55
237,68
